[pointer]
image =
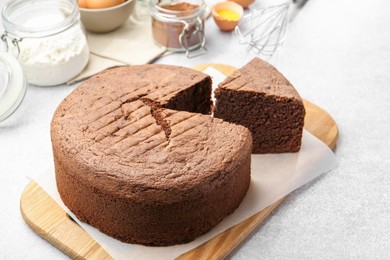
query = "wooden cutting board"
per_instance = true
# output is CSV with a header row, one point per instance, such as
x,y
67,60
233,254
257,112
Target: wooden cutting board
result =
x,y
53,224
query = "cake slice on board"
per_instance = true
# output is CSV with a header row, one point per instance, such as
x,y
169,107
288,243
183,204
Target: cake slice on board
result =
x,y
260,98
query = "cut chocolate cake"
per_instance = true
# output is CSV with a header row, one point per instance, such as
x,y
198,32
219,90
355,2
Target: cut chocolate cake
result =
x,y
260,98
135,156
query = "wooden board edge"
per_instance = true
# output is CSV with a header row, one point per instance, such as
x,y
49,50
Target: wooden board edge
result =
x,y
331,129
32,186
52,229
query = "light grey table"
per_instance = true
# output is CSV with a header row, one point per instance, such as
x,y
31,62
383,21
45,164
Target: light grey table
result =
x,y
337,54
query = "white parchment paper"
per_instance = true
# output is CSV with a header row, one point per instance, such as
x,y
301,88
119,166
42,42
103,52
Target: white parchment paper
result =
x,y
272,177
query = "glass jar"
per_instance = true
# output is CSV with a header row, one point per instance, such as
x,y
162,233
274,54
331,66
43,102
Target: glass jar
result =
x,y
13,85
47,38
178,25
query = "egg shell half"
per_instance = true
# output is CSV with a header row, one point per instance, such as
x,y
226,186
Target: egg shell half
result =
x,y
223,23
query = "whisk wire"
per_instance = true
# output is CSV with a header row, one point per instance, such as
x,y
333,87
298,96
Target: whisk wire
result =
x,y
264,29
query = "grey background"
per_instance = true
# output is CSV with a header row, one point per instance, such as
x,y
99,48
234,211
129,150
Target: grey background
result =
x,y
337,54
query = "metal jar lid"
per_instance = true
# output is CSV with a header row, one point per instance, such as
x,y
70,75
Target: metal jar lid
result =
x,y
13,85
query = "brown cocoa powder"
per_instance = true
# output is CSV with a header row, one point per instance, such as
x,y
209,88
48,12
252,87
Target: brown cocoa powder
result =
x,y
180,7
168,33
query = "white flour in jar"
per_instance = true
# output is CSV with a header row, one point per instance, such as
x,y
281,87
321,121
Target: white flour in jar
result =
x,y
54,59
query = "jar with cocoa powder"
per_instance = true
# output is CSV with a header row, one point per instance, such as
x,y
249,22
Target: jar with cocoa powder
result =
x,y
178,25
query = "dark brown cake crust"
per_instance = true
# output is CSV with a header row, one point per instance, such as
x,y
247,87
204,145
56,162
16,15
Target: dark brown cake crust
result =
x,y
139,171
260,98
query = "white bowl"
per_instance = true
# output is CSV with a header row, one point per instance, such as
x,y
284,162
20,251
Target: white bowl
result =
x,y
106,19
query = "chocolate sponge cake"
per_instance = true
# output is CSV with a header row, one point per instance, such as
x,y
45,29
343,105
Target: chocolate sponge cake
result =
x,y
137,156
260,98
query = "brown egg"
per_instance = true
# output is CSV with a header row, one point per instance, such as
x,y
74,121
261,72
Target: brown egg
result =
x,y
243,3
83,3
96,4
227,15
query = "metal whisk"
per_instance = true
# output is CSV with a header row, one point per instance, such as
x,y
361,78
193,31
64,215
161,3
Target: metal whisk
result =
x,y
264,29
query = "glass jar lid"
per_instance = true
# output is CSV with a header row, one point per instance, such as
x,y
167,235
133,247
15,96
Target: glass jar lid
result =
x,y
13,85
36,19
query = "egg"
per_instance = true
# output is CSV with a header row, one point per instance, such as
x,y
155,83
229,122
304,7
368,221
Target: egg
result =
x,y
83,3
227,15
243,3
96,4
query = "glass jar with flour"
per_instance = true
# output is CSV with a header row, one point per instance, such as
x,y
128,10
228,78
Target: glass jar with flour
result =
x,y
47,38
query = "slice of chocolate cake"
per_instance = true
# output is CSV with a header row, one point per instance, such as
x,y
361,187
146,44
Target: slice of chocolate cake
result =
x,y
260,98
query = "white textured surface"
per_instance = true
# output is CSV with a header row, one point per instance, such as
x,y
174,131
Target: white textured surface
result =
x,y
337,55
